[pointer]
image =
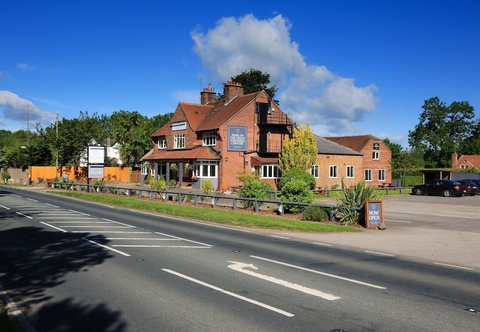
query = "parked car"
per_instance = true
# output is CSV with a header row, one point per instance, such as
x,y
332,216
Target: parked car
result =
x,y
440,187
472,187
476,181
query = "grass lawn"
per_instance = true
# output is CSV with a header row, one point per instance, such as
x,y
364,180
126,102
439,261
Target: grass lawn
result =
x,y
240,217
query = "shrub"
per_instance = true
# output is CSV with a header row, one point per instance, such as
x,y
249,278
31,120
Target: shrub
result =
x,y
206,187
159,184
315,213
297,174
351,203
173,182
245,176
253,188
5,177
98,184
295,191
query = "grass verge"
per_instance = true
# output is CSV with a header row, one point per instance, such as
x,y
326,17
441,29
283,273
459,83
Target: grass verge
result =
x,y
7,324
234,218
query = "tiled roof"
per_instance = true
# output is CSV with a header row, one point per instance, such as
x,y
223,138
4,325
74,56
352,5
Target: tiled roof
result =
x,y
211,116
472,160
198,152
324,146
356,143
222,113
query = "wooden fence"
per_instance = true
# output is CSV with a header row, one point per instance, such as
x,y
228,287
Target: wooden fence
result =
x,y
42,173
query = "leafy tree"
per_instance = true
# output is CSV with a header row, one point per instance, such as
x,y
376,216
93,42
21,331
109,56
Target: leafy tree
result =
x,y
472,144
403,164
300,151
253,81
441,130
395,148
73,138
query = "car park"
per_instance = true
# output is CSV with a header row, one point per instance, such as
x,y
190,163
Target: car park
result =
x,y
472,187
441,187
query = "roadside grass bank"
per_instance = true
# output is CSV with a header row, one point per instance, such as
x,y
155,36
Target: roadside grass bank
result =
x,y
234,218
7,324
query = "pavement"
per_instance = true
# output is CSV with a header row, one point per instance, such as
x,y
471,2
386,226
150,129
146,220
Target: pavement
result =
x,y
458,248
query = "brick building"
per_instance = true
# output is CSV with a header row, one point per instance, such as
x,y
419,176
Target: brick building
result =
x,y
465,162
377,171
217,139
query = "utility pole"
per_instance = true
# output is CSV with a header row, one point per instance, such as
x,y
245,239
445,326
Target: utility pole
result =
x,y
56,159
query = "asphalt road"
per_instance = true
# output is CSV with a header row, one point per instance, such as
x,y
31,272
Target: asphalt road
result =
x,y
76,266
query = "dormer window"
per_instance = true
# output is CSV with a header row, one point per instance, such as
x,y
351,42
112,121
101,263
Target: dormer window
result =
x,y
162,143
209,138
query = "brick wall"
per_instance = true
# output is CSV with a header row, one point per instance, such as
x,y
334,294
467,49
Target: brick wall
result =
x,y
341,161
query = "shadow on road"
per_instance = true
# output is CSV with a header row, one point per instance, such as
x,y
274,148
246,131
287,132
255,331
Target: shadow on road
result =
x,y
33,260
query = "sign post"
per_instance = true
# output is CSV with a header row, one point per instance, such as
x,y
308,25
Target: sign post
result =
x,y
96,159
374,214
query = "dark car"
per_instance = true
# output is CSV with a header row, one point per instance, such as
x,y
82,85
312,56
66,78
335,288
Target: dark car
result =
x,y
472,187
440,187
476,181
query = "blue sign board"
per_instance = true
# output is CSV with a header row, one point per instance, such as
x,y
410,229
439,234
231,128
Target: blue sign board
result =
x,y
237,138
373,214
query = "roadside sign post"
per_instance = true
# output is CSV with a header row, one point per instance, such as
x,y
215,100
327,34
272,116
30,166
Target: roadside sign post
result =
x,y
374,214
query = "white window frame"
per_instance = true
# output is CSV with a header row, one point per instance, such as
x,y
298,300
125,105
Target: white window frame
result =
x,y
368,175
206,169
270,171
350,170
209,138
375,155
162,143
381,175
333,171
179,141
315,171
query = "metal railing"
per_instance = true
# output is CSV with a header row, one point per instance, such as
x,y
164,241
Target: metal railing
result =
x,y
183,196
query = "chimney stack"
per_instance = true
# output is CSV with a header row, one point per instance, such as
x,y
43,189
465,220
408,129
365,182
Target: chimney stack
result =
x,y
232,90
207,95
454,159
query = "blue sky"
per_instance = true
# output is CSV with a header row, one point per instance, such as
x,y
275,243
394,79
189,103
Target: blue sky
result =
x,y
345,67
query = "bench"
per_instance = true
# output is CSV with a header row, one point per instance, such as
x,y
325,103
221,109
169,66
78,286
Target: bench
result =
x,y
234,189
386,185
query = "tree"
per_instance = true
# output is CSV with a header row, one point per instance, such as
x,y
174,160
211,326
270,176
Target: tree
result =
x,y
403,164
300,151
442,130
395,148
253,81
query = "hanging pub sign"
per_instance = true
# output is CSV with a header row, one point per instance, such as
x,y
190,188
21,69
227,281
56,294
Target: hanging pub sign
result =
x,y
237,138
373,214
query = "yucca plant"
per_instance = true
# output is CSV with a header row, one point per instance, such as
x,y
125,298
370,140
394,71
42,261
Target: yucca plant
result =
x,y
351,203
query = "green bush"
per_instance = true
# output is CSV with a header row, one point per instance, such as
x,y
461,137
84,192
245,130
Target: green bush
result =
x,y
315,213
5,177
297,174
253,188
352,198
159,184
173,182
295,191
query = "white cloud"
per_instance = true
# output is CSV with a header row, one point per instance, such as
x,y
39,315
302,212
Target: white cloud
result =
x,y
311,92
14,108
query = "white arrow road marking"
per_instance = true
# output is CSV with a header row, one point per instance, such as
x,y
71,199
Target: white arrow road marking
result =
x,y
218,289
240,267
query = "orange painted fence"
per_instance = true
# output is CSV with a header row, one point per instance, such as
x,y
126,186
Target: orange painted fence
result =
x,y
122,174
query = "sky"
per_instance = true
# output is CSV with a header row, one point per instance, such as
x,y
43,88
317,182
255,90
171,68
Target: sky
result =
x,y
344,67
